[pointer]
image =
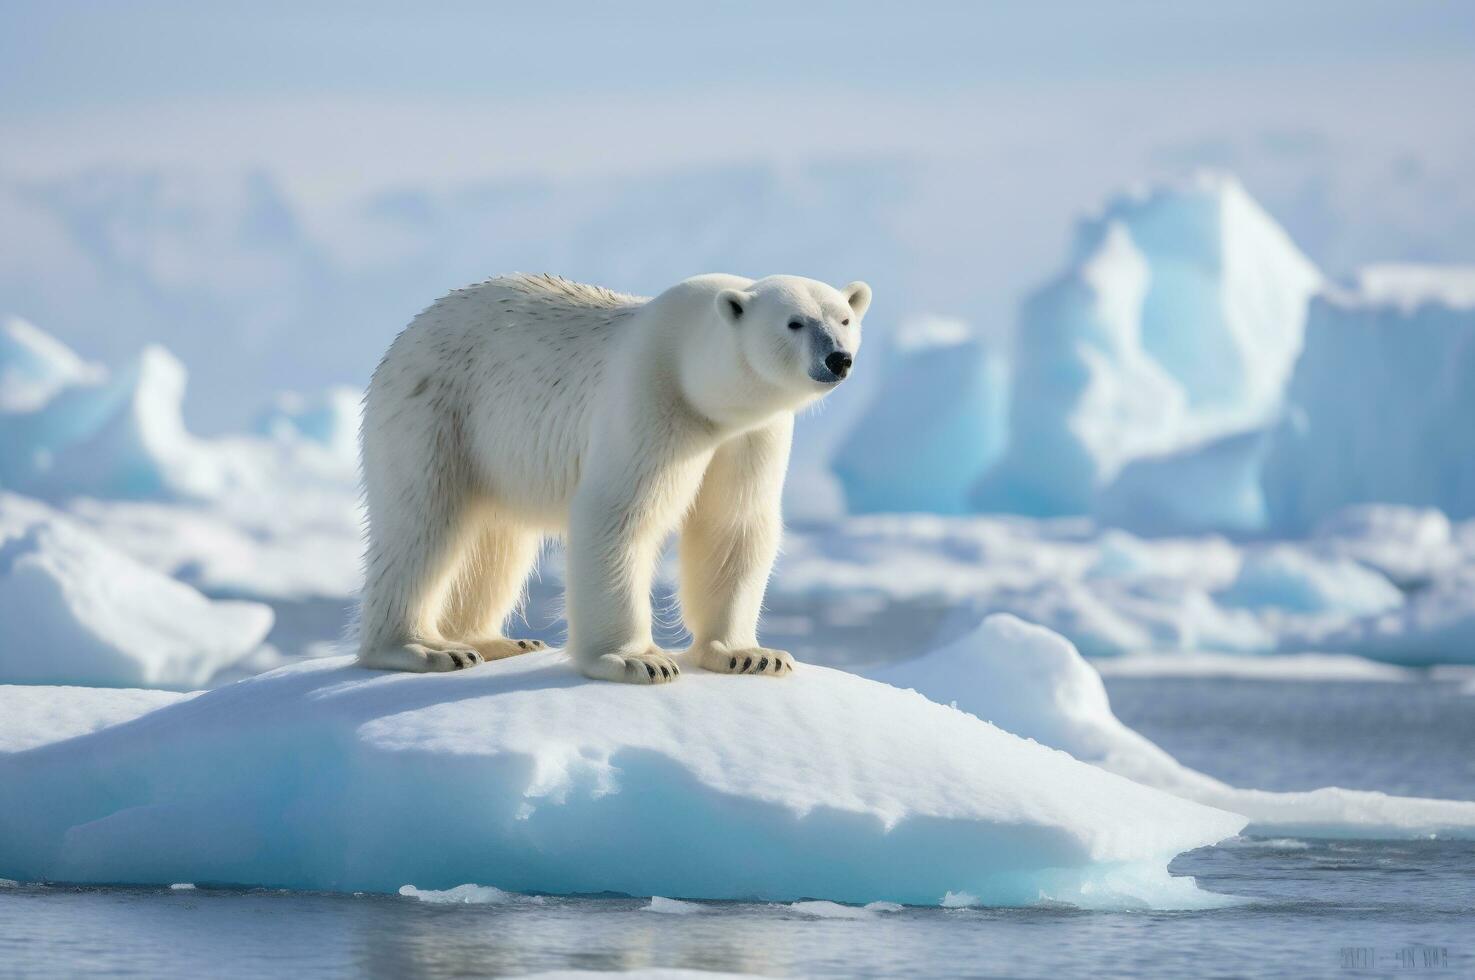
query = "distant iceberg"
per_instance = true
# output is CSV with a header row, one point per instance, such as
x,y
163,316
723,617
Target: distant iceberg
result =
x,y
1381,400
935,425
524,776
1179,320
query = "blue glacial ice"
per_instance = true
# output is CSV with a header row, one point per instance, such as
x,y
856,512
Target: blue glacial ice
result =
x,y
935,425
1380,404
1177,321
34,366
524,776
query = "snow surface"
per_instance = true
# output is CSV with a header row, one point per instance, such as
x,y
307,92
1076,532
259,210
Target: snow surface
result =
x,y
36,715
77,611
935,425
1178,320
1031,681
828,786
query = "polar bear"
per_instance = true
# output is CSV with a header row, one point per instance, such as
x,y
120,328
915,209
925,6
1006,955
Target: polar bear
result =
x,y
532,406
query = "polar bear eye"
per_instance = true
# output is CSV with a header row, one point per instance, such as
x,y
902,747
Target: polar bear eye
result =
x,y
845,322
796,324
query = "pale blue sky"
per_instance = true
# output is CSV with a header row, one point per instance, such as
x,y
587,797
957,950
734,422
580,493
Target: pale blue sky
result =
x,y
64,55
273,189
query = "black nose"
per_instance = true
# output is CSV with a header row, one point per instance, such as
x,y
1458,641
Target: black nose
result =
x,y
839,362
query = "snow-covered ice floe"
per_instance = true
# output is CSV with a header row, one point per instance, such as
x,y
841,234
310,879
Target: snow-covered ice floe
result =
x,y
77,611
524,775
1031,681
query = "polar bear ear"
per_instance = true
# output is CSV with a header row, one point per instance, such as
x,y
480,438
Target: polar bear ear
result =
x,y
858,295
732,305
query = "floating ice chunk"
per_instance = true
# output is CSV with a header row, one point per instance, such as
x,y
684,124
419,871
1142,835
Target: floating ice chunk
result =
x,y
934,426
671,906
182,886
78,612
35,365
1033,682
464,895
834,910
1292,579
1435,625
326,776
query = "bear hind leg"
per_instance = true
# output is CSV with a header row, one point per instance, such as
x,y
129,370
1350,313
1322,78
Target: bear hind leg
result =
x,y
489,587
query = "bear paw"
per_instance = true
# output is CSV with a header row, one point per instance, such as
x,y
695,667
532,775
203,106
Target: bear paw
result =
x,y
418,658
652,666
501,647
724,659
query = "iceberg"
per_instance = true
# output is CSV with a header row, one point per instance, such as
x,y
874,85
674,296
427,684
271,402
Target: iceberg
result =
x,y
1209,487
34,366
523,776
76,611
1177,322
274,515
1033,682
935,423
1380,402
118,435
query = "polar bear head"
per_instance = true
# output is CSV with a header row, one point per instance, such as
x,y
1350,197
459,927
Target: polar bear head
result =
x,y
797,334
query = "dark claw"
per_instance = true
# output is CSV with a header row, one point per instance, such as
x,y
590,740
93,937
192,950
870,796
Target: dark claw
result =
x,y
665,672
762,665
456,659
732,664
651,671
522,644
747,663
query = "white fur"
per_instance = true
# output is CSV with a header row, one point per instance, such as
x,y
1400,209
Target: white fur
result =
x,y
530,406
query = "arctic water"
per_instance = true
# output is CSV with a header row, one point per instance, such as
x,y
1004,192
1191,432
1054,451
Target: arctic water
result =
x,y
1310,907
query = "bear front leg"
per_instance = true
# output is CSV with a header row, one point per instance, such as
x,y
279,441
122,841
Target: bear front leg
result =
x,y
728,547
611,559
